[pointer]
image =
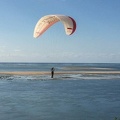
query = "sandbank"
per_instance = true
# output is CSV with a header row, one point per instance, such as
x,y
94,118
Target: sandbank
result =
x,y
58,72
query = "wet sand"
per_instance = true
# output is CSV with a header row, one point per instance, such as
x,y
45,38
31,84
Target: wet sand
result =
x,y
58,72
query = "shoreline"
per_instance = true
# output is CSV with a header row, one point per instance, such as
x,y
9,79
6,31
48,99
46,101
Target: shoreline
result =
x,y
57,72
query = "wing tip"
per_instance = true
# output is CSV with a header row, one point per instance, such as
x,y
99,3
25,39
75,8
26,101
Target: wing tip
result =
x,y
74,25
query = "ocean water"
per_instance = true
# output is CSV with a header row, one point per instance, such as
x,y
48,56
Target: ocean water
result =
x,y
66,97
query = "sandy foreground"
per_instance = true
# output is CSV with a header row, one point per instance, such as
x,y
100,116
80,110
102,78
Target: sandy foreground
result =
x,y
59,72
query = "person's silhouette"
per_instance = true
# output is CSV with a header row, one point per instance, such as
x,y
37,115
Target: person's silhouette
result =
x,y
52,72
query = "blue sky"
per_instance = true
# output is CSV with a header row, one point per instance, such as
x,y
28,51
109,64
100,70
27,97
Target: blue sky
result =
x,y
96,39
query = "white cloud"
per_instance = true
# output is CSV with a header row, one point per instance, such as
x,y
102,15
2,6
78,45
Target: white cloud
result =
x,y
26,56
17,50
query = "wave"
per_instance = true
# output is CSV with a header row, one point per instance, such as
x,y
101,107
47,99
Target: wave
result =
x,y
59,76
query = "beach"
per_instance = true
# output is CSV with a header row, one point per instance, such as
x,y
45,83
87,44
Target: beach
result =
x,y
63,71
59,72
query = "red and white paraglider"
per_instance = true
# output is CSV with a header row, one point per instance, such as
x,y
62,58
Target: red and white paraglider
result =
x,y
47,21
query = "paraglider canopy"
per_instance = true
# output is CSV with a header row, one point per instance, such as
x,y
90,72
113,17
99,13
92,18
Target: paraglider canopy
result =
x,y
47,21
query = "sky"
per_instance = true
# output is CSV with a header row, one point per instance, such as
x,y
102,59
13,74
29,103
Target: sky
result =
x,y
96,39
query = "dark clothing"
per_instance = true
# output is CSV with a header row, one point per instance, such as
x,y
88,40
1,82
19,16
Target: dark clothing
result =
x,y
52,72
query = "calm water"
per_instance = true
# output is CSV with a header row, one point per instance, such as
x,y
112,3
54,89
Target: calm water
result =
x,y
67,97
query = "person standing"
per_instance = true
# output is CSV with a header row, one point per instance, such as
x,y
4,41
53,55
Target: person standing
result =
x,y
52,72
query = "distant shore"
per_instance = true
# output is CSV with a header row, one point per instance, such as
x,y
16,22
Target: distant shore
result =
x,y
58,72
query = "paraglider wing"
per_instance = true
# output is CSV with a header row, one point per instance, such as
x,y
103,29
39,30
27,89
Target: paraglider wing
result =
x,y
47,21
69,24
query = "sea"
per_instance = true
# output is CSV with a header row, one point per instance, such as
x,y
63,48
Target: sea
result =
x,y
65,97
